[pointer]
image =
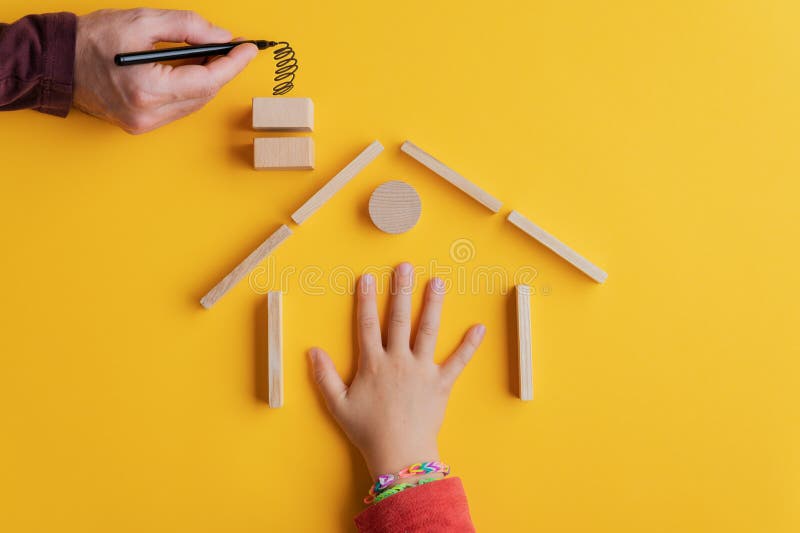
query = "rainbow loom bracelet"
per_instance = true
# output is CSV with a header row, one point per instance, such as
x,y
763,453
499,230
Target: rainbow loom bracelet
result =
x,y
400,487
425,468
386,480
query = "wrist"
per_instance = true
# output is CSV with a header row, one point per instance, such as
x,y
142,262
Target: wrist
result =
x,y
395,461
416,478
411,476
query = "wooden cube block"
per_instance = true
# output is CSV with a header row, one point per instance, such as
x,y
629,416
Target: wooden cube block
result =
x,y
283,153
283,114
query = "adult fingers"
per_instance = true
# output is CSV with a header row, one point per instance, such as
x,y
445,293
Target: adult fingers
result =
x,y
328,381
400,308
428,329
167,25
203,81
452,368
145,121
369,326
225,68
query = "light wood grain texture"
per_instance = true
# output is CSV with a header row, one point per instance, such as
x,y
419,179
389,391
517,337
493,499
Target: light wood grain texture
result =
x,y
337,182
283,153
245,267
275,347
576,259
283,114
477,194
394,207
524,339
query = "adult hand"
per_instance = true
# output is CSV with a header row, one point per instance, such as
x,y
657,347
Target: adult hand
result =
x,y
393,409
144,97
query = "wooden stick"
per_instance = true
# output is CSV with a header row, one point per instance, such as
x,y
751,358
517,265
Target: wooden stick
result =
x,y
477,194
525,346
244,268
337,182
275,348
576,259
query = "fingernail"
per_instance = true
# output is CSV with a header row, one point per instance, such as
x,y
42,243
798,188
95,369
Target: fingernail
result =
x,y
480,330
368,280
312,354
437,285
404,269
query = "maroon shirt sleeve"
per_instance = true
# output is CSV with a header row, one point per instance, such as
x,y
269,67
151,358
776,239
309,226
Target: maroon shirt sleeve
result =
x,y
439,507
37,61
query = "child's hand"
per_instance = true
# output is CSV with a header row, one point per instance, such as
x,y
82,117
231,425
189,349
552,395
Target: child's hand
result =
x,y
393,409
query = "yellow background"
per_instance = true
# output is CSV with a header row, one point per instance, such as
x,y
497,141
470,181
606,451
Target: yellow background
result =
x,y
659,139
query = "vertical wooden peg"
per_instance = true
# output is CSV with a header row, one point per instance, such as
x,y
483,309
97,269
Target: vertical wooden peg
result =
x,y
275,347
525,347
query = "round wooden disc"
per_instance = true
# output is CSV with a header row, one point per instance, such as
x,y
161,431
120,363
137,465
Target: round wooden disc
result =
x,y
395,207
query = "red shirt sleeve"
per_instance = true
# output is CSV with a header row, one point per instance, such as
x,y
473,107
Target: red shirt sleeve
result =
x,y
440,506
37,62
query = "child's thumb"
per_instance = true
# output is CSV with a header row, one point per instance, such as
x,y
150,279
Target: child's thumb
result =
x,y
330,384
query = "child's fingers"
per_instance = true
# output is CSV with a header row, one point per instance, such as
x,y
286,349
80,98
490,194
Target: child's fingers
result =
x,y
369,326
428,329
330,384
452,368
400,311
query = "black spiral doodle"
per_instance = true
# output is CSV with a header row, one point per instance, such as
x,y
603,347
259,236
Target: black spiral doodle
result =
x,y
285,68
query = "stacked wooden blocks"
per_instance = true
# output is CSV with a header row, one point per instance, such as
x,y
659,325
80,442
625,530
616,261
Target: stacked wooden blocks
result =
x,y
289,115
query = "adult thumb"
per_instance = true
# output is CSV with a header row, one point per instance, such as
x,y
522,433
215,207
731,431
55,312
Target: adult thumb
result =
x,y
327,378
